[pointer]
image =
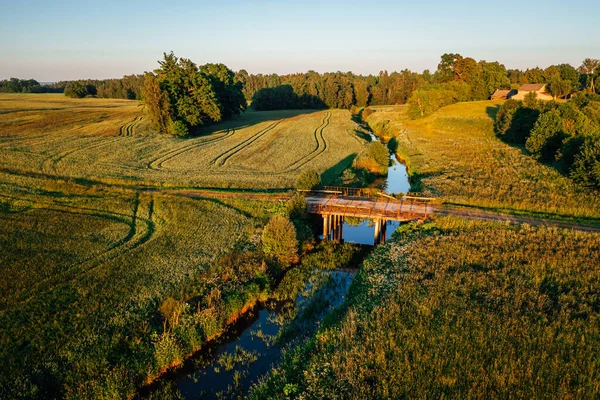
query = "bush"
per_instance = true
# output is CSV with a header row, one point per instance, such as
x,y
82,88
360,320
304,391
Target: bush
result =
x,y
366,113
546,136
297,207
379,153
279,240
586,168
521,125
308,179
505,116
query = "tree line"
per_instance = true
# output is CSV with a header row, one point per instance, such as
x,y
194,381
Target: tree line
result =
x,y
460,78
457,78
566,135
15,85
129,87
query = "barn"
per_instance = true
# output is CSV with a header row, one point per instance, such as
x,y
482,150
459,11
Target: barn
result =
x,y
538,88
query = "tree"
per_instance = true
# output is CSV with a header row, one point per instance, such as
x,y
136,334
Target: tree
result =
x,y
546,136
227,87
505,115
494,77
76,89
309,179
279,240
297,207
379,153
586,168
589,66
277,98
181,96
559,87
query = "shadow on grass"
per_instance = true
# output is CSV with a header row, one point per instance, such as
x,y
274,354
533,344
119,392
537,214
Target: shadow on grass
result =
x,y
492,111
330,175
416,181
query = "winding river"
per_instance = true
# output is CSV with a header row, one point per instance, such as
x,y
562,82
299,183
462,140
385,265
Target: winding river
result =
x,y
253,346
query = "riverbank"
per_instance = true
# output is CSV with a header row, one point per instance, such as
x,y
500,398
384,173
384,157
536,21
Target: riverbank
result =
x,y
250,345
455,156
429,315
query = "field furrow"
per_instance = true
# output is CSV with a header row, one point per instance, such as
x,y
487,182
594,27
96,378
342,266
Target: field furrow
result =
x,y
222,159
158,163
320,148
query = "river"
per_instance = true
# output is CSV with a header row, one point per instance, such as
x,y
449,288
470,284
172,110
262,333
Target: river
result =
x,y
396,181
254,345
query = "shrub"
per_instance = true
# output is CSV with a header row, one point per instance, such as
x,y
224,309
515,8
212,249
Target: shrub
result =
x,y
297,207
505,116
366,113
546,136
521,125
586,168
308,179
279,240
379,153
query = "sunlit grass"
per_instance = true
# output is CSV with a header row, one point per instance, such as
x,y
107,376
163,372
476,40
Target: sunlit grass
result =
x,y
112,141
460,309
454,155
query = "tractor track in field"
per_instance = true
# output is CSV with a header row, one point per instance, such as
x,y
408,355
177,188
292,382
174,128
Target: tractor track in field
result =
x,y
157,163
320,148
135,238
49,165
127,129
222,158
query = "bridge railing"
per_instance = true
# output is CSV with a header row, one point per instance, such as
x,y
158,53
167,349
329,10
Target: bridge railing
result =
x,y
367,193
406,211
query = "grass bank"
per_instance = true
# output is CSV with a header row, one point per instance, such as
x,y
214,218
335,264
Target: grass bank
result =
x,y
459,309
454,154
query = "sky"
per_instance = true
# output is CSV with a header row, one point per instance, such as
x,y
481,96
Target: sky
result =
x,y
61,40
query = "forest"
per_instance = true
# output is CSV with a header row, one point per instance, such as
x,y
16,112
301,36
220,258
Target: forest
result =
x,y
456,78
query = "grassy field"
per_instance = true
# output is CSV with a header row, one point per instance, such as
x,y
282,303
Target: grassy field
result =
x,y
459,309
85,272
111,141
454,154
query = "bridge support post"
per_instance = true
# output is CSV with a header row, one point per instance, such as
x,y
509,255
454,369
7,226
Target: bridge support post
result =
x,y
377,231
325,227
383,230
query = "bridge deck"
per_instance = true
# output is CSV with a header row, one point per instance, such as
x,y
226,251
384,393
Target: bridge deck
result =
x,y
369,208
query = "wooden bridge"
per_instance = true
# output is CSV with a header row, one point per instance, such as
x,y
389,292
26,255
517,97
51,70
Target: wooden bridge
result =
x,y
334,207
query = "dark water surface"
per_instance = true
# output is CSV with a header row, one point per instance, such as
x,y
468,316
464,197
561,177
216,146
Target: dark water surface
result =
x,y
252,348
254,345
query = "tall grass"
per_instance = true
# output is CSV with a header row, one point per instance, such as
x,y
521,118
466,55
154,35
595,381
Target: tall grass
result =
x,y
454,154
85,272
460,309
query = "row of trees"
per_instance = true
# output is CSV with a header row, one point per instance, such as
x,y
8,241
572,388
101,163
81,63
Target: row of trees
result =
x,y
335,90
462,79
129,87
566,134
457,78
14,85
181,96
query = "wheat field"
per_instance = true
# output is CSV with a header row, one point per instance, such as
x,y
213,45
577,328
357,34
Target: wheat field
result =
x,y
454,155
112,141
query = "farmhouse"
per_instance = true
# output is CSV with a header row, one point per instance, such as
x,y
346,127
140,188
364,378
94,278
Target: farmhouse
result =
x,y
538,88
503,94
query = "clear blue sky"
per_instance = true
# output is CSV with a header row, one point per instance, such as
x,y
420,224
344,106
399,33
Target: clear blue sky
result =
x,y
55,40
